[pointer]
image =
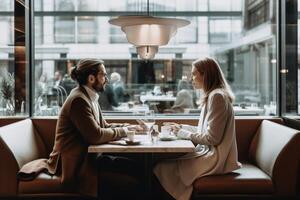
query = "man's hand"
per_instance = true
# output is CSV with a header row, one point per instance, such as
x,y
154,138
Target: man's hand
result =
x,y
132,127
174,126
142,125
126,124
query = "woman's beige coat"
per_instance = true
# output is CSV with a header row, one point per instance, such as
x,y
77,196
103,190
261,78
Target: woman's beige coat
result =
x,y
215,154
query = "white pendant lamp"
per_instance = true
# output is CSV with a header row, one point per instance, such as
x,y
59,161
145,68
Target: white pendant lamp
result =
x,y
146,33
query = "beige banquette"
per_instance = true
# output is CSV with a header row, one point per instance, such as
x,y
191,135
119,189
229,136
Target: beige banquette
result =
x,y
269,152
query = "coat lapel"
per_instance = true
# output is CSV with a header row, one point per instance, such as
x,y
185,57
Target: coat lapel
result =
x,y
101,121
90,102
201,119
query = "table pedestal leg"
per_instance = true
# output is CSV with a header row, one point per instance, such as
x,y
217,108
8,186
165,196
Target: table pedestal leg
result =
x,y
148,174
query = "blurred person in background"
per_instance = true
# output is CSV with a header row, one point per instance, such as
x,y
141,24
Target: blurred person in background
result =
x,y
184,98
118,87
41,86
57,78
107,98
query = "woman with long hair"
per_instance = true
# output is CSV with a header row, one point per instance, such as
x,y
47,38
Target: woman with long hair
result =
x,y
214,137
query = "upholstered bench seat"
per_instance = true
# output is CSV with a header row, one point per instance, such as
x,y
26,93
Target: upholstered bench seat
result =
x,y
247,180
43,183
268,151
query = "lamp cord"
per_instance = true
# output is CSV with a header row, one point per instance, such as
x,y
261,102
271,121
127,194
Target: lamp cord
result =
x,y
147,7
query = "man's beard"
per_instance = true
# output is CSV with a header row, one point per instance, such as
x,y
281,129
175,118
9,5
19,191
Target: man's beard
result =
x,y
98,87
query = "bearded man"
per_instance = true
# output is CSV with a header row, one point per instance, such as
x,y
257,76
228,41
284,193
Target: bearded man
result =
x,y
80,124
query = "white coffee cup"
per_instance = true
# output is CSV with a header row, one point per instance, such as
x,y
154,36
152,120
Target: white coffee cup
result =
x,y
165,131
130,135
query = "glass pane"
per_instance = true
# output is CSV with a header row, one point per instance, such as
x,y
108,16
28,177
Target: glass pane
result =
x,y
258,14
87,30
13,61
64,28
7,5
7,36
7,81
38,26
117,35
289,63
64,5
88,5
188,34
298,25
229,5
245,54
222,30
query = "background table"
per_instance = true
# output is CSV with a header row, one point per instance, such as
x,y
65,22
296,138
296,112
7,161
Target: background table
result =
x,y
157,98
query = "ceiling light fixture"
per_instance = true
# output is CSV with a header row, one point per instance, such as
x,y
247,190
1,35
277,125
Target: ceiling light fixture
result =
x,y
147,33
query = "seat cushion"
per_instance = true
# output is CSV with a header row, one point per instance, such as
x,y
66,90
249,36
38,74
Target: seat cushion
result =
x,y
247,180
43,183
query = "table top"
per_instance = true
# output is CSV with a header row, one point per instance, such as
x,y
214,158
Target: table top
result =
x,y
136,108
248,110
174,146
157,98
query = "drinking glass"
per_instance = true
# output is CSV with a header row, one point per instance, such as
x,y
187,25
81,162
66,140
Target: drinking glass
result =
x,y
149,120
154,134
143,99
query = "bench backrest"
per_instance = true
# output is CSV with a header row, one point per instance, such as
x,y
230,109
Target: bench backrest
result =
x,y
276,150
245,131
23,141
19,144
46,129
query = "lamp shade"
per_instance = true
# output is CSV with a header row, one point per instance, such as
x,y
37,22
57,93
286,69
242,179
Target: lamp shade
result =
x,y
149,34
146,32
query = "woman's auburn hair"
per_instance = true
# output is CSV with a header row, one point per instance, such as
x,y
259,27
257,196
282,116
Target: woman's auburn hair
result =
x,y
213,78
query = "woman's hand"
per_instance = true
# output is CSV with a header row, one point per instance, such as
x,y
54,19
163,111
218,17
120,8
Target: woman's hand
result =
x,y
175,128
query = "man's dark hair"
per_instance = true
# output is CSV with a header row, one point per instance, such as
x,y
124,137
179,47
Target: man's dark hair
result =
x,y
84,68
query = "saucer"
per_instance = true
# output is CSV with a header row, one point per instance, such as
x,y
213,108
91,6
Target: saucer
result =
x,y
136,142
168,138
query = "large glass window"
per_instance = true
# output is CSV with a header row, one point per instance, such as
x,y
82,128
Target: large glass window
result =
x,y
247,54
